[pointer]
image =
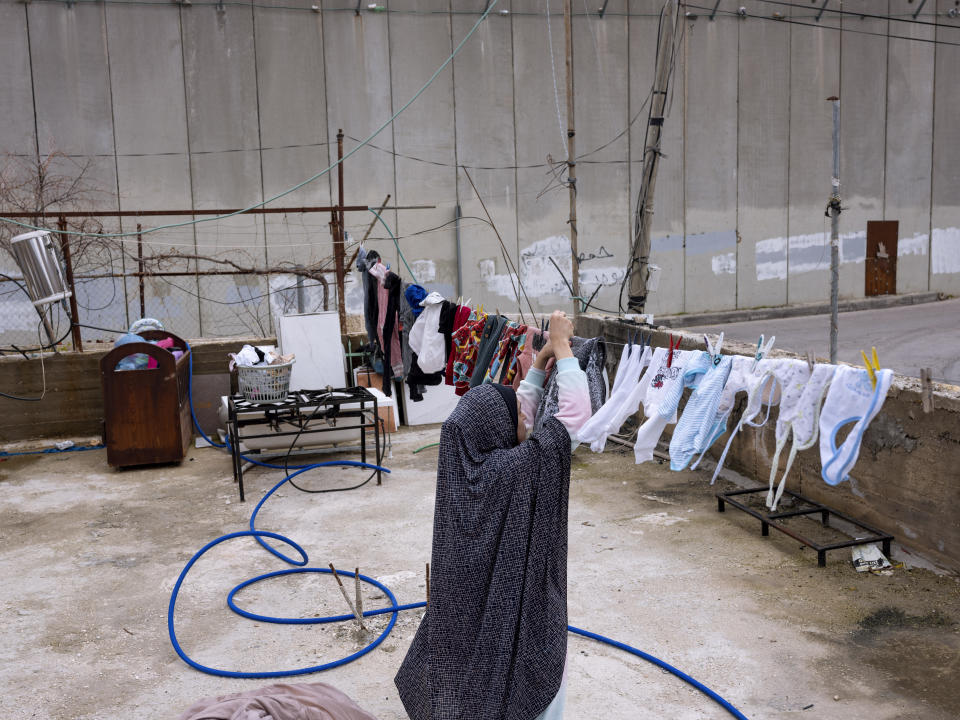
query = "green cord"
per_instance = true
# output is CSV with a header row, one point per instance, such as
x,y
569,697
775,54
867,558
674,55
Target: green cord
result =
x,y
425,447
393,237
296,187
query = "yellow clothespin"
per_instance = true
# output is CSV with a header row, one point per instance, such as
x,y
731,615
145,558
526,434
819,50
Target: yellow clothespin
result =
x,y
873,365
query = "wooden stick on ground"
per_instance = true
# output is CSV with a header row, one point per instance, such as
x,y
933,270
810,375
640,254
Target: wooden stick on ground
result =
x,y
359,594
346,597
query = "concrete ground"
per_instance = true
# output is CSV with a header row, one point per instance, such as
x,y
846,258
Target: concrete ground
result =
x,y
89,556
907,338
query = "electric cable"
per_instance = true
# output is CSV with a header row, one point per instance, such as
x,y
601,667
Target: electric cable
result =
x,y
788,21
195,221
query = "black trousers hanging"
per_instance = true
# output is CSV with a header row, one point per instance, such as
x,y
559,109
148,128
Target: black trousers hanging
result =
x,y
392,283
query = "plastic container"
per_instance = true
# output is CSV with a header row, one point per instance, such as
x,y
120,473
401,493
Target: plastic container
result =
x,y
265,383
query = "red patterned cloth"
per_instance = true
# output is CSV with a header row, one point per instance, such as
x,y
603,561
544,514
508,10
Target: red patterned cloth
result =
x,y
463,356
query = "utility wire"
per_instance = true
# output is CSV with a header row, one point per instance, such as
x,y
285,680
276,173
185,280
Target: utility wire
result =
x,y
788,21
840,11
349,153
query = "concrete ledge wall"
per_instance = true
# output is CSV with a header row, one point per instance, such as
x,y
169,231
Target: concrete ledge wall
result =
x,y
73,404
907,477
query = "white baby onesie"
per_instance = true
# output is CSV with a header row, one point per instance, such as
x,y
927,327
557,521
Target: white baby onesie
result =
x,y
595,431
798,419
851,399
662,395
759,382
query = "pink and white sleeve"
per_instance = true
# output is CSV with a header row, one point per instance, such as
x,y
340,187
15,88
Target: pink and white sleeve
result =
x,y
573,396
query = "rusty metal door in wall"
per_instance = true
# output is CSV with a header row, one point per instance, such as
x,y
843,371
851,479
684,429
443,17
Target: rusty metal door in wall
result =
x,y
881,261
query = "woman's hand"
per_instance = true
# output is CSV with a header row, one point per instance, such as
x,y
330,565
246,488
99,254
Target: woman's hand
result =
x,y
561,330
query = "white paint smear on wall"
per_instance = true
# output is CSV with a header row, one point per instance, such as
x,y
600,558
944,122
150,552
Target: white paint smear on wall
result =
x,y
425,270
945,251
916,245
725,264
541,278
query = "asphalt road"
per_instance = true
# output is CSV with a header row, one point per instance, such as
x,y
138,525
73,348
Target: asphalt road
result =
x,y
907,338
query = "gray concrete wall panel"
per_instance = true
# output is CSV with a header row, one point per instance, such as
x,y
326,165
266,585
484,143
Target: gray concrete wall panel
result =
x,y
863,113
484,94
603,175
945,215
711,164
426,131
910,65
543,229
762,159
146,79
16,86
814,76
71,78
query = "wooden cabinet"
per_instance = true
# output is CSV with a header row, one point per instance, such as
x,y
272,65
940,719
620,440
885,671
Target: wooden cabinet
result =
x,y
146,412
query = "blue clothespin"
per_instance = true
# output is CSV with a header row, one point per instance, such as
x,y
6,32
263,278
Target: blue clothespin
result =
x,y
762,351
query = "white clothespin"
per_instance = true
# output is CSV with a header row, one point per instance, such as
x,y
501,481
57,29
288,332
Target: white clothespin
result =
x,y
762,350
714,350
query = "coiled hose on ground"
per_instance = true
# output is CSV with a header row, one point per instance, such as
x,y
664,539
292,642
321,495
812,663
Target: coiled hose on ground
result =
x,y
393,608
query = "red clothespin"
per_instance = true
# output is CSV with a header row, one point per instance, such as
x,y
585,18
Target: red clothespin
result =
x,y
673,349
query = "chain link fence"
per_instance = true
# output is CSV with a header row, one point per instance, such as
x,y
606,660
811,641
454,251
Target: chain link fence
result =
x,y
218,282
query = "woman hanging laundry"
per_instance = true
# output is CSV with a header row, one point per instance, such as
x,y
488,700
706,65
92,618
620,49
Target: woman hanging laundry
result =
x,y
492,644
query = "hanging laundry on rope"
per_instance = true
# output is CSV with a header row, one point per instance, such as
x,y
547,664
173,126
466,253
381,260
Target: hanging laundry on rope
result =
x,y
624,395
800,420
852,399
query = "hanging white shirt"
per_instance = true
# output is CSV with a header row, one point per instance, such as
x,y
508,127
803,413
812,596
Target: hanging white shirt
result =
x,y
426,340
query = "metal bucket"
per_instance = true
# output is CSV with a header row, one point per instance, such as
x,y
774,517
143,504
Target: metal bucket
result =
x,y
37,258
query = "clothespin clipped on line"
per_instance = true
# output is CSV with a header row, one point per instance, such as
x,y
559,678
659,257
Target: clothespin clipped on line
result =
x,y
714,350
763,349
811,360
672,350
872,367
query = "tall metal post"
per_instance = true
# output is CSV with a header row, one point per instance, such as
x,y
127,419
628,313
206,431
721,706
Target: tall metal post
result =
x,y
833,209
74,313
300,297
338,237
643,222
571,153
143,303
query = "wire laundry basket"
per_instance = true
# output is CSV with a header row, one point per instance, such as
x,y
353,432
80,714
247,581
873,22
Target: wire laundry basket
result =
x,y
265,383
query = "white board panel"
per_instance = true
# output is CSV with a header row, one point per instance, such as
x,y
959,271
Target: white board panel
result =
x,y
315,340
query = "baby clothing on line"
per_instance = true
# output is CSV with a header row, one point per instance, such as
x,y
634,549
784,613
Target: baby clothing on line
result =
x,y
608,418
701,423
851,399
754,378
801,420
662,395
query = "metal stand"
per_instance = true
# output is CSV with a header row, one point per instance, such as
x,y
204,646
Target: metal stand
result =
x,y
768,520
295,414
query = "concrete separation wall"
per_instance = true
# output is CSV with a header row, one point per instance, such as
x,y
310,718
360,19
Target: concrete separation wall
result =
x,y
905,480
205,104
73,403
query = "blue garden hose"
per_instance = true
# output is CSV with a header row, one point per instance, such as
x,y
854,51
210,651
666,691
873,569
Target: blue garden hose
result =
x,y
393,609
